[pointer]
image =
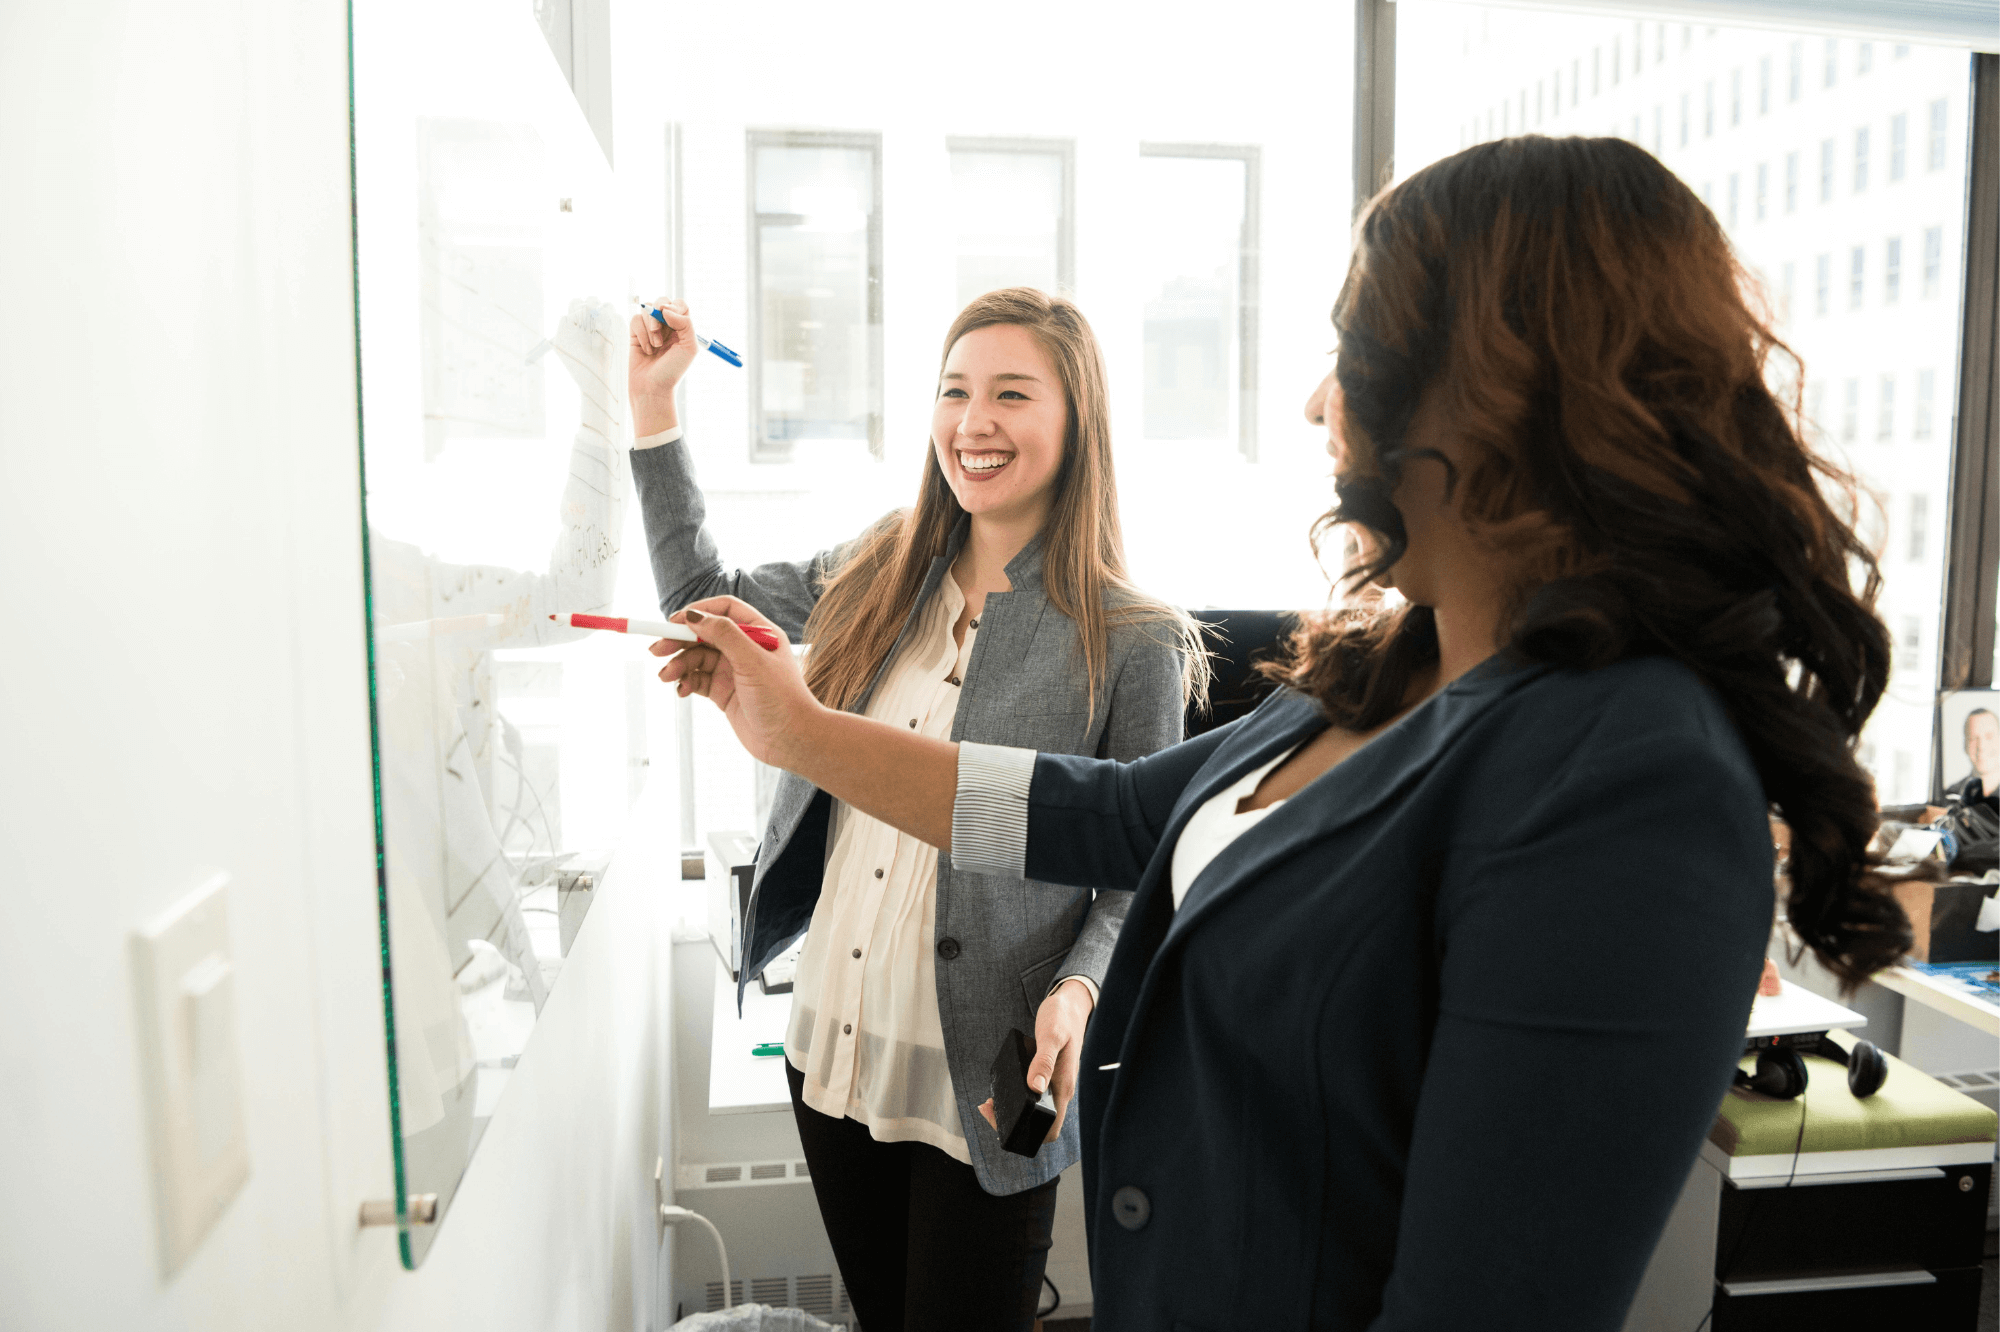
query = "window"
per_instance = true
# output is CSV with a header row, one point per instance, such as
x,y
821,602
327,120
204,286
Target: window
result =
x,y
1617,61
1860,160
1012,202
1790,270
1734,182
1823,290
1576,82
1684,120
1796,84
1199,293
815,282
1920,417
1826,171
1933,260
1892,270
1899,134
1850,413
1885,409
1660,43
1708,109
1556,92
1856,266
1596,70
1791,182
1764,86
1902,49
1909,655
1538,101
1917,530
1832,60
1864,59
1935,161
1635,131
1659,130
1735,98
1763,188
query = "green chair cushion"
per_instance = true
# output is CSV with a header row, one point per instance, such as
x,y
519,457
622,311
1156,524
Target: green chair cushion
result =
x,y
1912,1109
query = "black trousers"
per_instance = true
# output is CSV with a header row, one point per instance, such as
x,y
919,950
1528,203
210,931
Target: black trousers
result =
x,y
920,1245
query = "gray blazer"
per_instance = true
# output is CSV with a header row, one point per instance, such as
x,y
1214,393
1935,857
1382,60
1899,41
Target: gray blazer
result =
x,y
1002,942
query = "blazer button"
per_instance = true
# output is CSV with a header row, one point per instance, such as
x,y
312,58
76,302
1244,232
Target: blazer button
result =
x,y
975,622
1131,1208
947,949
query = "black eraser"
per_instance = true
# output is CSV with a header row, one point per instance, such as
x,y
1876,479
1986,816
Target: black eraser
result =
x,y
1024,1118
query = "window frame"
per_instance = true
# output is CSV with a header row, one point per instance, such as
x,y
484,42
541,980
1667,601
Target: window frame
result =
x,y
1066,223
763,449
1249,302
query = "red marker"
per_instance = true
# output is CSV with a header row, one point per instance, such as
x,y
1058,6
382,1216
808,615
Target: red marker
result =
x,y
768,639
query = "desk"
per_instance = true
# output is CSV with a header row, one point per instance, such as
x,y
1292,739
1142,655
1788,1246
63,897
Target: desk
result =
x,y
740,1083
1935,992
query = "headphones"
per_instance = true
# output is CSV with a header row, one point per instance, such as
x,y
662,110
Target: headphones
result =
x,y
1781,1069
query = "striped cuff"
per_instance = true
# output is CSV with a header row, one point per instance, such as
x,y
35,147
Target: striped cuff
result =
x,y
667,436
989,813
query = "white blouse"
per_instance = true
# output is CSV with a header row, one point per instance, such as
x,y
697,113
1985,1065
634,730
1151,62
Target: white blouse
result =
x,y
1218,823
865,1031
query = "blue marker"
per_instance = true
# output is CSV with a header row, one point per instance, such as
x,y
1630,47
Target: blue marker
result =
x,y
706,344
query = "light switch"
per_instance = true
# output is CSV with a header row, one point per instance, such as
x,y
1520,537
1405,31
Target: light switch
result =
x,y
185,984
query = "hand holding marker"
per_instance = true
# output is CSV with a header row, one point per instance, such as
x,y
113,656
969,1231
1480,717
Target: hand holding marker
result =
x,y
704,343
768,639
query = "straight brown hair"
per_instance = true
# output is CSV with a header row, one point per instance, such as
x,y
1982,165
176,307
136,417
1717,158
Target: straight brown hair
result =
x,y
865,601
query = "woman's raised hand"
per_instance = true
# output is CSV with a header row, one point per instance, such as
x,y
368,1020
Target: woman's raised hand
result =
x,y
660,354
760,692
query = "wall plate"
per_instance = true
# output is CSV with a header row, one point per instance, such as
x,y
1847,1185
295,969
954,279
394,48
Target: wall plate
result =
x,y
184,982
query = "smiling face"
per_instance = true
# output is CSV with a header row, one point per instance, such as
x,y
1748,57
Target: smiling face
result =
x,y
999,423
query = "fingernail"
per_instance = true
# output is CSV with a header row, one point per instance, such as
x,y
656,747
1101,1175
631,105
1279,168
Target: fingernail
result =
x,y
696,617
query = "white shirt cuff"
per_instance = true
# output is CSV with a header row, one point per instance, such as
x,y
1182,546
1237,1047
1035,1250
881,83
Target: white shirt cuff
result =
x,y
667,436
1087,982
989,812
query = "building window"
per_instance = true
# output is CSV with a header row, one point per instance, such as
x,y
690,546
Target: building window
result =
x,y
1850,412
1790,270
1659,130
1826,171
1899,134
1735,98
1832,60
816,291
1860,160
1920,416
1856,267
1576,82
1660,43
1864,59
1763,188
1596,70
1918,535
1892,270
1200,293
1936,158
1635,131
1791,182
1014,201
1885,409
1823,287
1933,260
1902,49
1909,651
1796,84
1684,120
1708,109
1617,61
1538,101
1734,190
1764,86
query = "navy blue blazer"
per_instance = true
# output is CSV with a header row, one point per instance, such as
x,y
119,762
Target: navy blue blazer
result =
x,y
1438,1039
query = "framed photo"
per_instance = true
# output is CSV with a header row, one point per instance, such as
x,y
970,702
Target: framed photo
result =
x,y
1978,710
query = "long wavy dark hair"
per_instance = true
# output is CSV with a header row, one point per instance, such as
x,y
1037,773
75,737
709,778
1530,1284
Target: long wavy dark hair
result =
x,y
1581,319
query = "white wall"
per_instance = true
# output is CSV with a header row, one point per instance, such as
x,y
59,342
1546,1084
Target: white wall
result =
x,y
177,433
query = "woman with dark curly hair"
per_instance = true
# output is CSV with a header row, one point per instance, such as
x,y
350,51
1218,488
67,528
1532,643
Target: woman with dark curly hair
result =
x,y
1439,962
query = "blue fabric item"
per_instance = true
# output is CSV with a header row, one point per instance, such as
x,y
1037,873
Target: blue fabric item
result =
x,y
1435,1043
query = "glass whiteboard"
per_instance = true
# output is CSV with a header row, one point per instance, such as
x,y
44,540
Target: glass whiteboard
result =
x,y
508,752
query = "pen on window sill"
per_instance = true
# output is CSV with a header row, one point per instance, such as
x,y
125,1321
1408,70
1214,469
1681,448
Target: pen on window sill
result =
x,y
705,343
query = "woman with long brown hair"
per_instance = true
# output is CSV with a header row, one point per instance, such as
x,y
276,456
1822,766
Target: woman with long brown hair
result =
x,y
1439,962
996,609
